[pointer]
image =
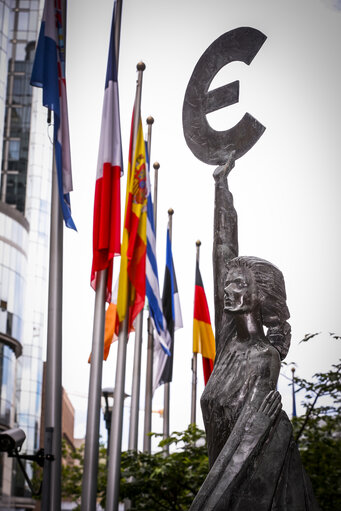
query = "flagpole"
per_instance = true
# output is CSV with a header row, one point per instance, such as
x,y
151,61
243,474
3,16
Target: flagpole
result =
x,y
51,489
149,391
114,461
89,481
135,387
195,362
150,346
156,179
118,16
293,393
166,398
135,392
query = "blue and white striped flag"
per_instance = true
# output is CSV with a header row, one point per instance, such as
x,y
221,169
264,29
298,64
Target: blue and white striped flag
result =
x,y
162,337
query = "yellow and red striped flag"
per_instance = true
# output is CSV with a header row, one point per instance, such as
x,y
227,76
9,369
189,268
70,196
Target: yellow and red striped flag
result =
x,y
132,277
203,337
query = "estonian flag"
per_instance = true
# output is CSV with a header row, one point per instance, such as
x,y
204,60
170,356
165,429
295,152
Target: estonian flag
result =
x,y
172,312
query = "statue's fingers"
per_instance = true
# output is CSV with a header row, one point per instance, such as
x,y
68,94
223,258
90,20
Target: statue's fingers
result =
x,y
265,404
274,405
276,411
224,170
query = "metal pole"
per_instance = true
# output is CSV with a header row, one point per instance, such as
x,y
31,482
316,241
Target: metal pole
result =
x,y
51,490
135,390
118,16
150,347
150,122
194,388
149,391
195,362
166,397
89,482
293,393
156,179
114,462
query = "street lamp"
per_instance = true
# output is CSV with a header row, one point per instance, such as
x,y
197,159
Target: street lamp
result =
x,y
108,397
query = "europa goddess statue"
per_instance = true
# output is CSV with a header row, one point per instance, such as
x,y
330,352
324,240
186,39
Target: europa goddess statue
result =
x,y
254,461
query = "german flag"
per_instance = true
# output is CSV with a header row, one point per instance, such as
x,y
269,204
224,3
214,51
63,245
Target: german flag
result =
x,y
203,337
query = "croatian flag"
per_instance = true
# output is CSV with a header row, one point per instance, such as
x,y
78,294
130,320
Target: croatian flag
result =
x,y
107,204
161,334
49,73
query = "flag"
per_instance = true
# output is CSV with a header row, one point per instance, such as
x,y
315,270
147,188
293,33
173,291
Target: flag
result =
x,y
110,324
132,277
107,203
203,338
48,72
152,279
172,311
109,328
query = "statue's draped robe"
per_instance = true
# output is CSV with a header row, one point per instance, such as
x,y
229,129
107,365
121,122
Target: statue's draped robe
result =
x,y
254,461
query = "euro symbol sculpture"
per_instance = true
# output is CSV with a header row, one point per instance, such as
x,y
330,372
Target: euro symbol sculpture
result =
x,y
208,145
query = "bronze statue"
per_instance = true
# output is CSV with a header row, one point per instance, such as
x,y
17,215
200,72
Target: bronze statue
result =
x,y
254,461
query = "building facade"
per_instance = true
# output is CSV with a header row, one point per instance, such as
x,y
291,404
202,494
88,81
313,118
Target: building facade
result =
x,y
25,197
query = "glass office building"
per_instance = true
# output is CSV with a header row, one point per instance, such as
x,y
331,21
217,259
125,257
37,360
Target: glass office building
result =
x,y
25,195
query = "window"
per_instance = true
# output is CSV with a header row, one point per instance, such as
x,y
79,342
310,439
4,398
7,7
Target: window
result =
x,y
14,150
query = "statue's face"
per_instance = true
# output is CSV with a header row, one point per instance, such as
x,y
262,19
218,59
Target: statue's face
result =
x,y
240,292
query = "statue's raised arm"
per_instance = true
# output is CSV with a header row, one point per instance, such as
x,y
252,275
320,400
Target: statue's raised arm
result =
x,y
225,245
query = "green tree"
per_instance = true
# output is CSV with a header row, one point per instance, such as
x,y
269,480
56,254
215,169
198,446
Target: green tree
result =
x,y
318,432
156,482
72,472
151,481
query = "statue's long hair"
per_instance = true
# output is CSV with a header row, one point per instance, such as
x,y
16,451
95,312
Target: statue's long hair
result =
x,y
272,296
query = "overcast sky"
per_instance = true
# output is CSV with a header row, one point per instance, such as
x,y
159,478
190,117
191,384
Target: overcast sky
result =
x,y
286,188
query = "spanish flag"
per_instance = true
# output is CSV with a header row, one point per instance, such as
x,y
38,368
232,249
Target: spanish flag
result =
x,y
132,277
203,338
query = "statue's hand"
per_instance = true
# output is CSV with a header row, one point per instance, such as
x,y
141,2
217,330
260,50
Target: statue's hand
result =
x,y
271,404
223,170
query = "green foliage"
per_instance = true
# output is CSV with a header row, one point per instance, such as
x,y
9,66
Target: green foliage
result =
x,y
157,482
318,433
151,481
72,472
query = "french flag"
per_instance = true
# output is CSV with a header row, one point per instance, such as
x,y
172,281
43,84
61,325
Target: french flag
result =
x,y
107,204
48,72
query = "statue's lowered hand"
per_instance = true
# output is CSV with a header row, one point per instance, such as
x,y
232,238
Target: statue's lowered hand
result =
x,y
271,405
